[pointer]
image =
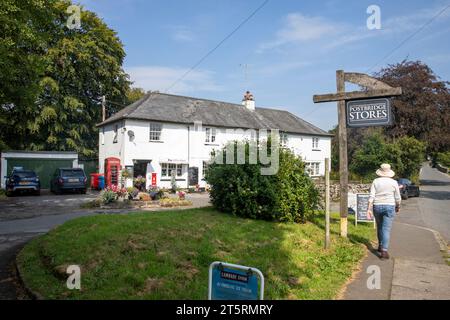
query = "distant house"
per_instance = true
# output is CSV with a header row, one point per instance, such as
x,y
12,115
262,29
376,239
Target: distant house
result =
x,y
164,133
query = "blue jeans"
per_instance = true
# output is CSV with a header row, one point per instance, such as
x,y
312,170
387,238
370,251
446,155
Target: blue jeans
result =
x,y
384,216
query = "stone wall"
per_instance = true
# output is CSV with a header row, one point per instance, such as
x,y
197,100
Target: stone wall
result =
x,y
335,189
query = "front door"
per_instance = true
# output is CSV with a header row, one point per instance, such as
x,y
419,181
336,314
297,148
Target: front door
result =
x,y
193,176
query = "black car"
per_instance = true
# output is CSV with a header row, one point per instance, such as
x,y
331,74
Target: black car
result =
x,y
408,189
68,179
23,180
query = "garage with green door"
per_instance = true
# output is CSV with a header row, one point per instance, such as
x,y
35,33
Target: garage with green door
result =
x,y
44,163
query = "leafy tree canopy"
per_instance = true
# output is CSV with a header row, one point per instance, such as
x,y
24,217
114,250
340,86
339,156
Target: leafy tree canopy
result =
x,y
53,77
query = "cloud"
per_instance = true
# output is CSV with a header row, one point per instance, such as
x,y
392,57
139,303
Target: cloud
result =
x,y
298,28
277,68
181,34
160,78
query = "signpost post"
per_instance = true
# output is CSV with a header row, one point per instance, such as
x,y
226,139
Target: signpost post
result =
x,y
351,111
234,282
327,203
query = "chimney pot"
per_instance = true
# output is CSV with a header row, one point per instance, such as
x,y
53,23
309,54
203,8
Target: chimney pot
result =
x,y
249,101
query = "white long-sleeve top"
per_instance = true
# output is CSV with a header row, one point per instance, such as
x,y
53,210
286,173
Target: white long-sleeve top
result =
x,y
385,191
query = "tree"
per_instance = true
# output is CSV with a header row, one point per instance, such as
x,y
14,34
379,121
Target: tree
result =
x,y
134,94
412,154
423,110
369,156
23,43
405,155
79,66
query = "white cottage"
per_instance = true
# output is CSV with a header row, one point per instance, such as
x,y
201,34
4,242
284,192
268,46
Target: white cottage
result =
x,y
164,133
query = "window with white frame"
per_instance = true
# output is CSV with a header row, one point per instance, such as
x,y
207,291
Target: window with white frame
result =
x,y
283,139
315,143
210,135
167,169
155,131
312,168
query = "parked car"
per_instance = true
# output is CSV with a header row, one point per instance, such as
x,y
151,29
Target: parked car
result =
x,y
408,189
68,179
22,180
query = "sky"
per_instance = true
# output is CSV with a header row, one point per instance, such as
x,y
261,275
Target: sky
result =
x,y
285,53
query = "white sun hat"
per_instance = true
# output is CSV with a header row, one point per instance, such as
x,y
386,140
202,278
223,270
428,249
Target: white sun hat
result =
x,y
385,171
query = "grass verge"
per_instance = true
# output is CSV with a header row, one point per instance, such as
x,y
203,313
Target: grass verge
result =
x,y
166,255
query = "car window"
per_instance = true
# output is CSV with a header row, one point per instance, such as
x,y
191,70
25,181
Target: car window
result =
x,y
72,173
25,174
404,181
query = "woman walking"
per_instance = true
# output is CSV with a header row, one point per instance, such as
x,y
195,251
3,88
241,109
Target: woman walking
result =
x,y
384,202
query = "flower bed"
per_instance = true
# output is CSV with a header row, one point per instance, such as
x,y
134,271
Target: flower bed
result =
x,y
122,198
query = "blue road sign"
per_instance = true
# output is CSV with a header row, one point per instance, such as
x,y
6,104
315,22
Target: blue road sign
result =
x,y
233,282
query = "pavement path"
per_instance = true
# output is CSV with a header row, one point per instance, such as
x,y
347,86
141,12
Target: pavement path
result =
x,y
417,269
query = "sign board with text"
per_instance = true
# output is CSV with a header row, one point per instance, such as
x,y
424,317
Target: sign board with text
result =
x,y
234,282
362,205
369,113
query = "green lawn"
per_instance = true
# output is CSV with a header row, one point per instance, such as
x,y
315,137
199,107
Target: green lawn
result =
x,y
166,255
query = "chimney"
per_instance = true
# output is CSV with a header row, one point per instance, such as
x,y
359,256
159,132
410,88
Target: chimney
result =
x,y
248,101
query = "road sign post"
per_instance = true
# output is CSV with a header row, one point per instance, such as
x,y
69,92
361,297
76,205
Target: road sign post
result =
x,y
374,112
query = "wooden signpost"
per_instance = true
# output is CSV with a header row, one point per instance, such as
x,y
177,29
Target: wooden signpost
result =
x,y
375,89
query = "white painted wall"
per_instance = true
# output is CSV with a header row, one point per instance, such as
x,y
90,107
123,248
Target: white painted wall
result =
x,y
106,146
185,144
302,145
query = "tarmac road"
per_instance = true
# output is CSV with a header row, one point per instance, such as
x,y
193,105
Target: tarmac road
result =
x,y
435,200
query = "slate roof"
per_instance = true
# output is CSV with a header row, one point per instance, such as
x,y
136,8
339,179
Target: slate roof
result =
x,y
179,109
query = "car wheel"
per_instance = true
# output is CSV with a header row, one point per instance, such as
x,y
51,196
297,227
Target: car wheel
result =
x,y
405,196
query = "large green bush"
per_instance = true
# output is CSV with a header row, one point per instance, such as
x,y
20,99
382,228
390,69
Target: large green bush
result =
x,y
241,189
443,158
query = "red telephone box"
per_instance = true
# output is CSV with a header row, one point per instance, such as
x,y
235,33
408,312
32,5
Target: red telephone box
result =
x,y
112,172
